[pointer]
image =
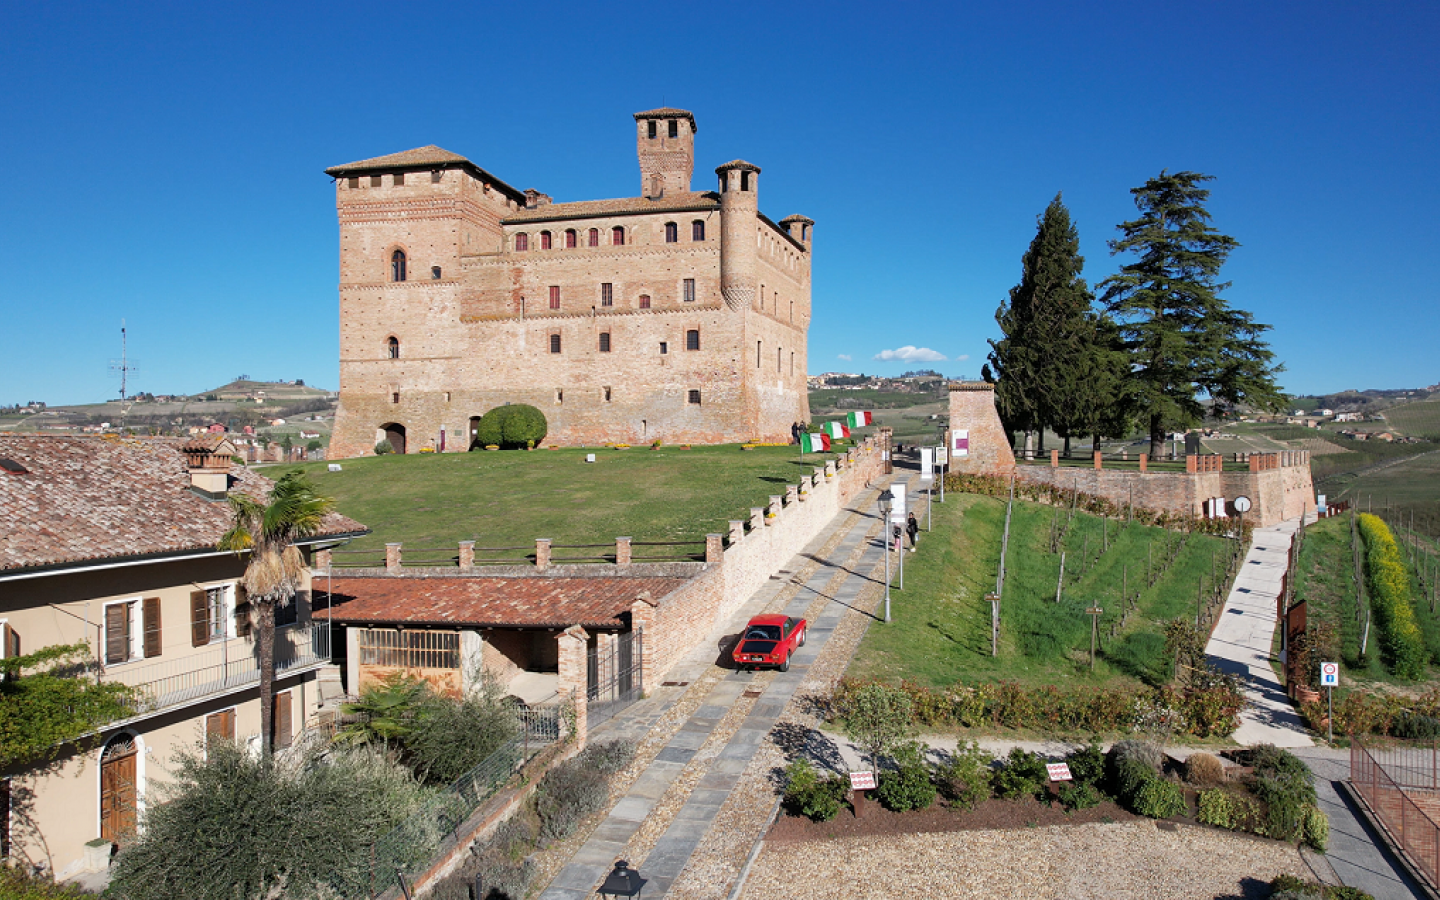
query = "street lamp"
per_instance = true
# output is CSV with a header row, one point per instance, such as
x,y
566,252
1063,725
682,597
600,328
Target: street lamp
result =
x,y
887,501
623,881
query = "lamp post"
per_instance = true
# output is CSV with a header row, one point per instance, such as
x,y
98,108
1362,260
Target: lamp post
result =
x,y
887,500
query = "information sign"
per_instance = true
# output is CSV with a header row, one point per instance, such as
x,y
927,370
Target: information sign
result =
x,y
862,781
960,442
1329,674
1094,611
1058,771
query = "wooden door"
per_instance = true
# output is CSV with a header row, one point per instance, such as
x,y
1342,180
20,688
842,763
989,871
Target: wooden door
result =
x,y
117,790
284,723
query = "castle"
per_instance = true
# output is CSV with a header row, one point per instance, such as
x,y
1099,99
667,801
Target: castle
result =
x,y
677,315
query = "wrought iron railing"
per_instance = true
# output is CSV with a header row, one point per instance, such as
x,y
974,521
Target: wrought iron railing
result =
x,y
1401,785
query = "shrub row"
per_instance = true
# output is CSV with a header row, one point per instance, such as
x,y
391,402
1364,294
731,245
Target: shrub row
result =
x,y
999,487
1389,581
1360,712
1207,708
1281,805
1288,887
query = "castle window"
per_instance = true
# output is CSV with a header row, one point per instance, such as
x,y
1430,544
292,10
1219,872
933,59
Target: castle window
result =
x,y
435,176
617,236
394,396
672,232
594,237
651,129
559,395
522,242
689,290
792,362
376,180
674,128
744,181
435,273
392,347
644,301
397,265
545,242
694,397
697,230
779,358
554,296
554,343
354,181
757,354
607,294
604,342
399,179
606,394
792,312
692,339
572,240
664,348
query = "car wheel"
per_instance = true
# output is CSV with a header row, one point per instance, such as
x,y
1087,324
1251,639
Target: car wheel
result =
x,y
785,663
801,642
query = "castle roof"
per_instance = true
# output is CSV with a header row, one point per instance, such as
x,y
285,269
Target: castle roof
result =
x,y
804,220
427,157
693,201
737,164
669,112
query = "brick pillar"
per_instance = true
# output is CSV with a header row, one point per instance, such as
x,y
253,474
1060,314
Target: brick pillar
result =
x,y
622,551
1144,461
757,518
642,621
737,531
1096,455
1054,458
542,554
392,558
467,556
572,679
321,560
1192,464
773,509
1254,462
791,495
714,548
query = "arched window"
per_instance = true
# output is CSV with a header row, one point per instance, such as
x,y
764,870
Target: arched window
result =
x,y
617,236
545,242
522,242
672,232
392,347
644,301
572,240
697,230
692,339
397,265
554,343
435,273
594,237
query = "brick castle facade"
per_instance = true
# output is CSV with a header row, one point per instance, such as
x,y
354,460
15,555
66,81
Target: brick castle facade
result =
x,y
677,315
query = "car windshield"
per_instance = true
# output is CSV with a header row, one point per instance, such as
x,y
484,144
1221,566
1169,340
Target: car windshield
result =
x,y
763,633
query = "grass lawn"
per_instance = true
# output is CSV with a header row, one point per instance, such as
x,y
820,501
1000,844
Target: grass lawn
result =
x,y
940,633
1413,484
510,498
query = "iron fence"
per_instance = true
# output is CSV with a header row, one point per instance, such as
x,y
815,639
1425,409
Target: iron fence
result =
x,y
614,676
1401,785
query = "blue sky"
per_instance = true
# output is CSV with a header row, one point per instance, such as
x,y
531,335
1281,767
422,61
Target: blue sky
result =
x,y
164,161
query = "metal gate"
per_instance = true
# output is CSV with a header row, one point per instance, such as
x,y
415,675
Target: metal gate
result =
x,y
613,676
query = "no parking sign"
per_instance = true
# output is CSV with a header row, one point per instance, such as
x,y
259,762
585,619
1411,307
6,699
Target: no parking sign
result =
x,y
1329,674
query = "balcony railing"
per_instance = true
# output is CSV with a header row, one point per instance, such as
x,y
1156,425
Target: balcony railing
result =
x,y
220,668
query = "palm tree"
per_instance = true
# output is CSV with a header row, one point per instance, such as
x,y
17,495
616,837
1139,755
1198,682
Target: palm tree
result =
x,y
276,570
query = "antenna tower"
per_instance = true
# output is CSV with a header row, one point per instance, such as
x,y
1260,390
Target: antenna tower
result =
x,y
124,365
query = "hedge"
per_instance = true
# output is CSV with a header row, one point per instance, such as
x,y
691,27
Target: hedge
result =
x,y
1389,581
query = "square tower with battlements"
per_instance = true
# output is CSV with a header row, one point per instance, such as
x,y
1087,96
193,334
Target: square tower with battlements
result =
x,y
676,315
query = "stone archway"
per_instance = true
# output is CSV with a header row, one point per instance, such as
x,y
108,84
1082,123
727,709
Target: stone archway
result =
x,y
395,434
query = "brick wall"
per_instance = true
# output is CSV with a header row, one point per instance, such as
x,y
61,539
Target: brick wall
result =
x,y
973,417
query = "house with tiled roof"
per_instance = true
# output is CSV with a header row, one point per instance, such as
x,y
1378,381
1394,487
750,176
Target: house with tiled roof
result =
x,y
112,542
678,315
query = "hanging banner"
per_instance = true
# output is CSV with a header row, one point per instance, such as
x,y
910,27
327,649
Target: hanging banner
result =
x,y
927,462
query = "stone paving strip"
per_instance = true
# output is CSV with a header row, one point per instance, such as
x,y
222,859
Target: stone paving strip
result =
x,y
684,738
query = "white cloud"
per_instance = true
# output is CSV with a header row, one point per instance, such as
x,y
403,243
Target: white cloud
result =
x,y
911,354
844,356
962,357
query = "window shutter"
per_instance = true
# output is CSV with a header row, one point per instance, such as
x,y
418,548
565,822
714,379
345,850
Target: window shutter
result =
x,y
283,722
117,637
199,619
12,642
242,612
152,626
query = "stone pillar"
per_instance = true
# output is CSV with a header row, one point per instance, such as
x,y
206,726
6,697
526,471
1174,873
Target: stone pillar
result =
x,y
642,622
572,678
622,551
542,554
737,531
392,558
829,468
714,548
1054,458
1096,455
467,556
321,561
791,495
1144,461
757,518
773,509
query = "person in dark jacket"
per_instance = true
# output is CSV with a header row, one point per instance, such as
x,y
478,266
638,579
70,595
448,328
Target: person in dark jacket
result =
x,y
912,528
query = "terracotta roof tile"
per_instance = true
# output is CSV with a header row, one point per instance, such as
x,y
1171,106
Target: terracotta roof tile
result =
x,y
539,602
420,156
583,209
669,112
95,498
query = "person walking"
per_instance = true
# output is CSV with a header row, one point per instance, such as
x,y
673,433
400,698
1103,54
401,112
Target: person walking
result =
x,y
912,528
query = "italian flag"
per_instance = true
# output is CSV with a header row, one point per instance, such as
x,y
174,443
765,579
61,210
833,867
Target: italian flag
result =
x,y
836,430
814,443
859,419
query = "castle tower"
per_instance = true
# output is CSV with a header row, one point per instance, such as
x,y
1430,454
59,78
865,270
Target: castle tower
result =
x,y
665,143
739,210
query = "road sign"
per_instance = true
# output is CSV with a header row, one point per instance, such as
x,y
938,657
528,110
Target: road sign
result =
x,y
1094,611
1058,771
862,781
1329,674
1242,504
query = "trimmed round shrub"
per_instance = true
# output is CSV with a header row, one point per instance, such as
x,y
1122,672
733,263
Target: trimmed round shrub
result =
x,y
964,778
384,447
1087,765
1160,799
811,794
609,757
1141,751
1023,773
1079,796
511,427
908,785
1204,770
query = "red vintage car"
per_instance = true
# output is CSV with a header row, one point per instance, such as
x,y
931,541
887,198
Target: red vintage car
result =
x,y
769,641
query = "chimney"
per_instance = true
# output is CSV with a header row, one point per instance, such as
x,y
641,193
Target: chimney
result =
x,y
208,459
535,199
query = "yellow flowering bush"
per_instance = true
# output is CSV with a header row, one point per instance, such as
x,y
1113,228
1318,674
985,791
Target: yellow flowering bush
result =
x,y
1389,583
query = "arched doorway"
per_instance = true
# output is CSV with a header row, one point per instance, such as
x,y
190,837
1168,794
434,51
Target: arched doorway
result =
x,y
118,780
395,434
